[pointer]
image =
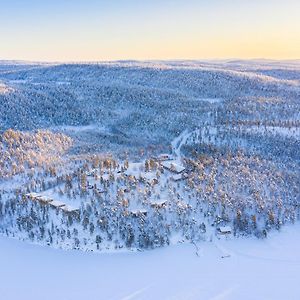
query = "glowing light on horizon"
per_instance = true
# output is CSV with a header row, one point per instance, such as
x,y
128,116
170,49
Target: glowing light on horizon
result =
x,y
192,29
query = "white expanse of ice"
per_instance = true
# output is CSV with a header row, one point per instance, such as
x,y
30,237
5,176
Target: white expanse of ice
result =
x,y
249,269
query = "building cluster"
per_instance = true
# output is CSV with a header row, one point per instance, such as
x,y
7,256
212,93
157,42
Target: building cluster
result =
x,y
58,204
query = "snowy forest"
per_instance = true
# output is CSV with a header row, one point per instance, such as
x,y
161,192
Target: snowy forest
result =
x,y
134,156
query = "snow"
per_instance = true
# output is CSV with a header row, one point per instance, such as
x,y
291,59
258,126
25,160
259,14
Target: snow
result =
x,y
4,89
122,108
32,195
249,269
225,229
178,177
159,202
134,169
57,203
178,142
105,177
138,211
149,176
212,100
11,183
170,165
64,199
68,208
77,129
293,132
165,156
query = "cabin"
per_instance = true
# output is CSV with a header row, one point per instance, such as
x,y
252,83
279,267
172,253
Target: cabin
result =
x,y
224,230
44,199
70,209
173,167
92,172
32,196
159,204
57,204
105,177
178,177
149,177
164,157
134,170
183,205
139,212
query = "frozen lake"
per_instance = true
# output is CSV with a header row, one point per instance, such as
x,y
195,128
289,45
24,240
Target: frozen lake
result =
x,y
251,269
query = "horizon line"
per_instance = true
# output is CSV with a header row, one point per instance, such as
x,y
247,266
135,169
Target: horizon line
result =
x,y
148,60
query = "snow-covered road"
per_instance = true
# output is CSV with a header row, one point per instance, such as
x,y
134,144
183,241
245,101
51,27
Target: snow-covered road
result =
x,y
256,269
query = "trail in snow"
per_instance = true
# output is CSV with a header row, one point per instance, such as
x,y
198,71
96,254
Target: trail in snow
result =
x,y
135,294
225,293
179,141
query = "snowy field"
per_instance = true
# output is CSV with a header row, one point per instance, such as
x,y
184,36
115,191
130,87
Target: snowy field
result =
x,y
249,269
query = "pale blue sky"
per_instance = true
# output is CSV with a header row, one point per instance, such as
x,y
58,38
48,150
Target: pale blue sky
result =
x,y
56,30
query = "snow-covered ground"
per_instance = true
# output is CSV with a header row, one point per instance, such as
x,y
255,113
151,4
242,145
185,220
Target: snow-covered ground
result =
x,y
78,129
211,100
293,132
255,269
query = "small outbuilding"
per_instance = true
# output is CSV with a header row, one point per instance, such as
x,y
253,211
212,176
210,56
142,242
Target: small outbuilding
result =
x,y
173,167
57,204
105,177
149,177
70,209
159,203
178,177
139,212
44,199
165,156
224,230
92,172
32,196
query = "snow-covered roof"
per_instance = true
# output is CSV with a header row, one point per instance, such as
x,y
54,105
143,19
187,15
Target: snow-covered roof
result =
x,y
92,172
44,198
178,177
139,211
224,229
148,176
32,195
134,169
105,177
182,204
165,156
68,208
171,166
158,202
57,203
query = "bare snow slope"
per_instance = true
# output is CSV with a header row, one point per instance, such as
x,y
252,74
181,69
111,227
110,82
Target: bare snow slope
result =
x,y
256,269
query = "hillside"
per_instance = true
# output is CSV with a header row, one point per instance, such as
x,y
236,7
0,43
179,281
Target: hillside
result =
x,y
132,156
25,150
140,104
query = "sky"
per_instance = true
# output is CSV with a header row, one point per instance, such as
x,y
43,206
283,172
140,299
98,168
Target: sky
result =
x,y
99,30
